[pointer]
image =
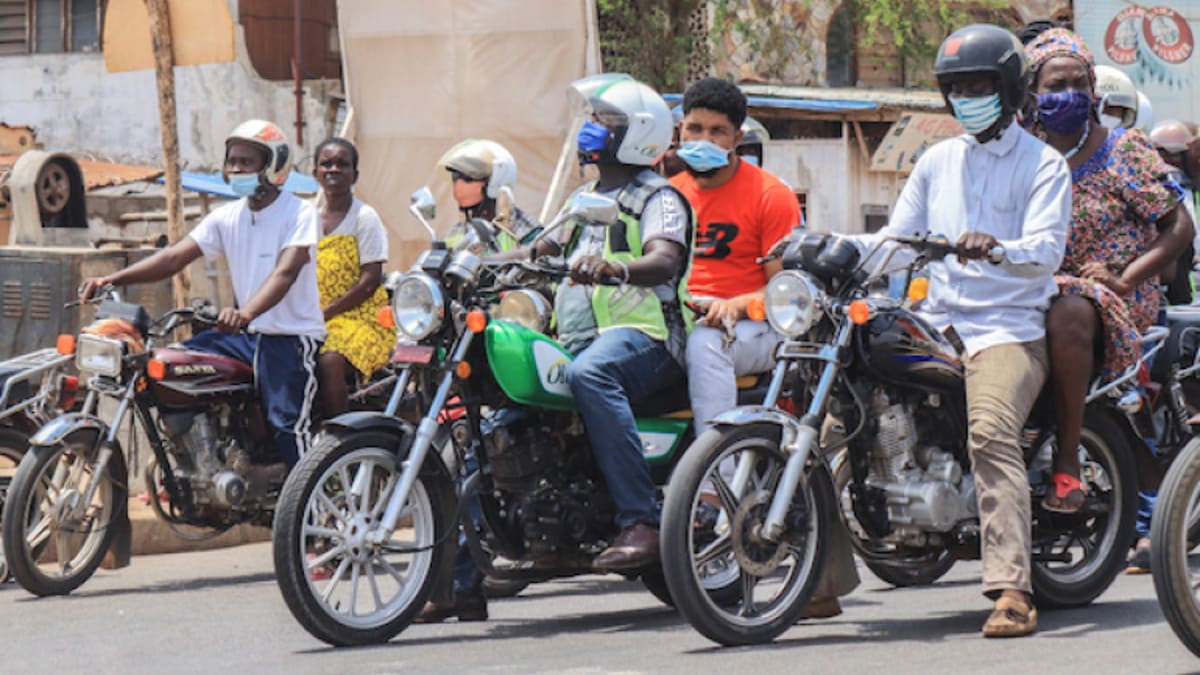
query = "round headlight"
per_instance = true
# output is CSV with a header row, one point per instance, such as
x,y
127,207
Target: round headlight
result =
x,y
525,307
792,303
417,306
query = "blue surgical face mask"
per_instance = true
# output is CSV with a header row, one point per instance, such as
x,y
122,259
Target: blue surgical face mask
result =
x,y
1064,112
591,141
703,156
243,184
976,114
750,159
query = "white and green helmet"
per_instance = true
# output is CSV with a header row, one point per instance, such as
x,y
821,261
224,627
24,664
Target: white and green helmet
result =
x,y
639,119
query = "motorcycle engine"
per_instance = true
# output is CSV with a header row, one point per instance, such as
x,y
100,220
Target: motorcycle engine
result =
x,y
544,474
207,458
923,485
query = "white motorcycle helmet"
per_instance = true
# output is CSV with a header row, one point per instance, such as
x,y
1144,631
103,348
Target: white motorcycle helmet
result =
x,y
1145,114
481,159
1118,97
638,118
273,141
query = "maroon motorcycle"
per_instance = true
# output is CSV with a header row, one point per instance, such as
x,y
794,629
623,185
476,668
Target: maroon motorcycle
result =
x,y
214,464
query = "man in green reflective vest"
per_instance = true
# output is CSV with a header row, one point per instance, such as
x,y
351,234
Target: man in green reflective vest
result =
x,y
629,334
482,172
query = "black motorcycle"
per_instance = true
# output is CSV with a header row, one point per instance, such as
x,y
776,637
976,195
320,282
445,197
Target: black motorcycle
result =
x,y
896,385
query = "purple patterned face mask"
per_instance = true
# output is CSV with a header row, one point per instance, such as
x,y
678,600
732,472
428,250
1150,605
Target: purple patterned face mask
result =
x,y
1064,112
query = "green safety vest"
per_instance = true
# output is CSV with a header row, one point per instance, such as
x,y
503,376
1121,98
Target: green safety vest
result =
x,y
632,306
504,240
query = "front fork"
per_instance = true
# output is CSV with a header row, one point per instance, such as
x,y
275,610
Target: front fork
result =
x,y
799,444
107,443
421,443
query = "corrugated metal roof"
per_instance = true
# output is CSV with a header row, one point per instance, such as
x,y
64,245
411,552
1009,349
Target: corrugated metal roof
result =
x,y
214,184
815,105
849,98
100,174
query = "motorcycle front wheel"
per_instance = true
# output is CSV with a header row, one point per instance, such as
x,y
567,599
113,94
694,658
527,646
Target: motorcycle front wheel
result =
x,y
341,586
1175,565
776,580
1087,550
13,445
54,537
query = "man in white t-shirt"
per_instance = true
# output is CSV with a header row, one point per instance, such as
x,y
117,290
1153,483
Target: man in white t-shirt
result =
x,y
269,239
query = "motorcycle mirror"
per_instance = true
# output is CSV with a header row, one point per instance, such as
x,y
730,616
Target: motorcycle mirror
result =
x,y
424,207
594,209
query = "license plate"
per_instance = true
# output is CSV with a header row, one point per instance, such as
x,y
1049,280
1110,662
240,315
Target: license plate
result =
x,y
412,354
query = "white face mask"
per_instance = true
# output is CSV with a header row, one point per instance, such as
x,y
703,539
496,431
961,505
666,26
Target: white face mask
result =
x,y
1110,121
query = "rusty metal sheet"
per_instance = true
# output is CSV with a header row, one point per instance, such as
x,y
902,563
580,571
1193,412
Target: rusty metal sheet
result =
x,y
100,174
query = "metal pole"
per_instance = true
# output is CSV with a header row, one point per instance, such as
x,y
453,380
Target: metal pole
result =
x,y
298,73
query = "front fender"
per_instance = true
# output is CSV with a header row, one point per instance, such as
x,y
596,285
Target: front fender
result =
x,y
758,414
63,425
370,420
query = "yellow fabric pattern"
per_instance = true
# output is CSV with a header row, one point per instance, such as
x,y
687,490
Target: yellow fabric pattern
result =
x,y
355,333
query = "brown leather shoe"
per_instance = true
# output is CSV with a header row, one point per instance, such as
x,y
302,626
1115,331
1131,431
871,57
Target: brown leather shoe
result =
x,y
464,607
636,546
823,608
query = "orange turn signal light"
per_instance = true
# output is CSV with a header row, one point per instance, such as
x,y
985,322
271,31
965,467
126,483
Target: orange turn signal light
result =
x,y
476,320
65,344
756,310
859,312
156,369
918,290
462,370
386,318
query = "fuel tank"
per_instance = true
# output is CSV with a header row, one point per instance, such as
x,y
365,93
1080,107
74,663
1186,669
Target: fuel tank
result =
x,y
900,347
190,378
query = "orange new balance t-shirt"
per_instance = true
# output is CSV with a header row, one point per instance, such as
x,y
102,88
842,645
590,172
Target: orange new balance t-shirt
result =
x,y
736,224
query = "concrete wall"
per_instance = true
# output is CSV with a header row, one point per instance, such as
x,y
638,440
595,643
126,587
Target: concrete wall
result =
x,y
76,106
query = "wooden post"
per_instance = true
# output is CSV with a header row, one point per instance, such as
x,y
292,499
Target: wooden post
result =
x,y
164,72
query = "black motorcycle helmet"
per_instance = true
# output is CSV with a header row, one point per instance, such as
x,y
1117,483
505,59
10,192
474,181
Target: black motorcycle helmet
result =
x,y
984,49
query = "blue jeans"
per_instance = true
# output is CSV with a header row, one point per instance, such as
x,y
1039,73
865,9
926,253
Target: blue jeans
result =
x,y
285,374
468,580
620,366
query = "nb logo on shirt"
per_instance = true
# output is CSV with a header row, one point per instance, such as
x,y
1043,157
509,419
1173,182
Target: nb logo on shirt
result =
x,y
714,240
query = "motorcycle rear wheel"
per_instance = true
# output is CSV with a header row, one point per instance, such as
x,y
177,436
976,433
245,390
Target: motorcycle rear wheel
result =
x,y
341,587
1176,568
775,592
51,542
1096,544
13,445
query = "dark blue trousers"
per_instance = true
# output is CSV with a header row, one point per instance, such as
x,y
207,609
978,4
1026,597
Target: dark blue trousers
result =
x,y
285,373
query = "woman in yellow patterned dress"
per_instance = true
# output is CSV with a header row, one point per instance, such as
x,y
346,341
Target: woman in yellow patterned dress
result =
x,y
350,259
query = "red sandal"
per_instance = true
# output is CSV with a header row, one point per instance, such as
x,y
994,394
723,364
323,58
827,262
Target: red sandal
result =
x,y
1066,496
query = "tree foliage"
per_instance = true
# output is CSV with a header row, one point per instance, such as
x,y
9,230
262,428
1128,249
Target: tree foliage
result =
x,y
651,40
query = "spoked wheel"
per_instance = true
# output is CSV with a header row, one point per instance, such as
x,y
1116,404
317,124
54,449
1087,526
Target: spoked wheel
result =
x,y
1082,553
341,584
54,534
775,580
13,445
1176,566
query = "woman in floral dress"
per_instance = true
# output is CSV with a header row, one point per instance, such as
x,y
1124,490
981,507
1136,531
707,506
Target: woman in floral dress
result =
x,y
1126,229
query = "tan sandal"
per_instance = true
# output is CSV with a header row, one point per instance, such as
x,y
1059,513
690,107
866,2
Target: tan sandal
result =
x,y
1010,618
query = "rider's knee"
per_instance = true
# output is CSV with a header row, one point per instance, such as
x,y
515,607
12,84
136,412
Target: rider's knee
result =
x,y
1071,320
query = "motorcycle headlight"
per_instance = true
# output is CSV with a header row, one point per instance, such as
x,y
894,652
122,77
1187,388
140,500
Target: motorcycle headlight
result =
x,y
525,307
418,306
792,303
99,355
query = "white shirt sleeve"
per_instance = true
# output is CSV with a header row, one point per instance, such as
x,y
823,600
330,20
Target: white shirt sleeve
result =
x,y
306,232
207,235
909,219
1039,250
371,236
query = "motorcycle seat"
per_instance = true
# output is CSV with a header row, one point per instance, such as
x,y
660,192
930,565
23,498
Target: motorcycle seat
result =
x,y
673,402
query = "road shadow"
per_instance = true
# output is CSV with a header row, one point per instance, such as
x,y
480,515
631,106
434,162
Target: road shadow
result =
x,y
166,587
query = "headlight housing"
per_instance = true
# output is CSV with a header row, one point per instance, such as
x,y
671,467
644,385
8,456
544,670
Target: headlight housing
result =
x,y
793,303
418,306
99,355
525,307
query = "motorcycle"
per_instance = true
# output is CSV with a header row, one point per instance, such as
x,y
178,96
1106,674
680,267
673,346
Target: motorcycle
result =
x,y
214,460
366,528
34,388
897,384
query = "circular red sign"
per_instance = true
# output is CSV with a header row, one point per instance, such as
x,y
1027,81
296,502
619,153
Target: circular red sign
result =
x,y
1167,34
1120,40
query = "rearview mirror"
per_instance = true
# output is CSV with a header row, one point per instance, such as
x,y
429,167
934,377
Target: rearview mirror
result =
x,y
423,207
594,209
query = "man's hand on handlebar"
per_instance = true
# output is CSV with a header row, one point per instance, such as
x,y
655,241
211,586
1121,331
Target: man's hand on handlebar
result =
x,y
233,320
975,246
593,269
89,287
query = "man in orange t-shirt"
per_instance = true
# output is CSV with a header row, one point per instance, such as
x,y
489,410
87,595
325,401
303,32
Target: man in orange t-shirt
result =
x,y
741,212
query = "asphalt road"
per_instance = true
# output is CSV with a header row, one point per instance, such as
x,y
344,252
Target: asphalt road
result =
x,y
220,611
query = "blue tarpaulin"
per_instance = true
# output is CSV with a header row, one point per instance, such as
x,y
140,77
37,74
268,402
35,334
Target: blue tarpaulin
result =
x,y
213,184
817,105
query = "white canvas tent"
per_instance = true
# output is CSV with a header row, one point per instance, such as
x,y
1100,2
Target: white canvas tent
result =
x,y
421,76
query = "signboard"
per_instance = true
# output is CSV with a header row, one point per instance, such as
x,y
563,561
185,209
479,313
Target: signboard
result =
x,y
1154,44
201,32
909,138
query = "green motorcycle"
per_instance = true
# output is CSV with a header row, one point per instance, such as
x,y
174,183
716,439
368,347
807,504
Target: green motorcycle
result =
x,y
366,526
